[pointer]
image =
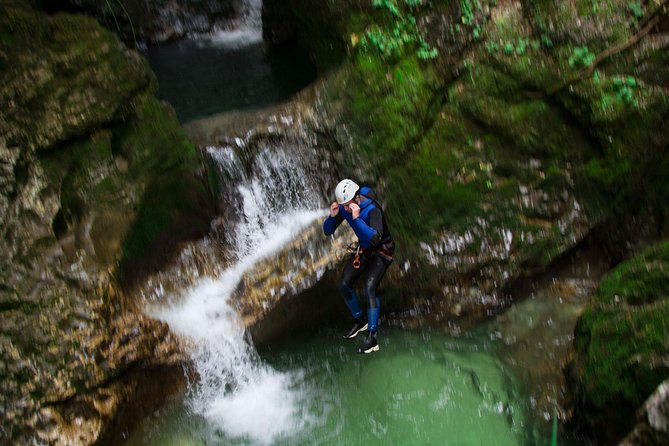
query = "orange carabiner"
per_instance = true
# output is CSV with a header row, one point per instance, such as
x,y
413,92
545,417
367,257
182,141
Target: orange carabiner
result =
x,y
356,261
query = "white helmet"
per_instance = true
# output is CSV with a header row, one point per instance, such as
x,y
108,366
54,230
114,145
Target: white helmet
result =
x,y
345,191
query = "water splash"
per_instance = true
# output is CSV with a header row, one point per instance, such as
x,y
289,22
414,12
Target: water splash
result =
x,y
236,391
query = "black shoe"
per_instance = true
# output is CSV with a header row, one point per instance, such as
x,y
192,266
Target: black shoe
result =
x,y
359,325
370,345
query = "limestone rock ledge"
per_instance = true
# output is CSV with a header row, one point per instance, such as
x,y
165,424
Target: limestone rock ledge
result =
x,y
270,297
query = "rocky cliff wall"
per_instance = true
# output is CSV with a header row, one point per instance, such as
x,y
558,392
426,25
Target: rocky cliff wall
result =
x,y
95,173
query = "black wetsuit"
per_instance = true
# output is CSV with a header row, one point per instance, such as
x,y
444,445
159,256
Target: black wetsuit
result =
x,y
375,255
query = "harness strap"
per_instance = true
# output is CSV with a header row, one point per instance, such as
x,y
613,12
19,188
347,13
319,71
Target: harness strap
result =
x,y
356,261
383,252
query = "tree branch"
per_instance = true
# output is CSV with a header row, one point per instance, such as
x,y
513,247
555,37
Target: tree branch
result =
x,y
645,28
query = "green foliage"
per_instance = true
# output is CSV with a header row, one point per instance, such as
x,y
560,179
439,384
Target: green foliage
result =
x,y
581,57
476,32
546,41
519,47
595,6
636,9
391,40
413,3
624,87
509,48
621,90
426,52
596,78
467,10
390,5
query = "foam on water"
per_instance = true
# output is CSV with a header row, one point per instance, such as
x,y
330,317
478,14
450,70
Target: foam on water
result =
x,y
236,38
236,390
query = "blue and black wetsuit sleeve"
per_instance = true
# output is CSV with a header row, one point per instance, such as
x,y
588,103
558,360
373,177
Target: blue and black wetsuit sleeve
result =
x,y
332,223
369,233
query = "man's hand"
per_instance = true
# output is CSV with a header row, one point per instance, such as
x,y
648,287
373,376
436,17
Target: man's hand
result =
x,y
355,210
334,209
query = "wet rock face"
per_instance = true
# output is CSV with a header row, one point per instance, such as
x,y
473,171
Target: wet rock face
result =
x,y
157,21
76,160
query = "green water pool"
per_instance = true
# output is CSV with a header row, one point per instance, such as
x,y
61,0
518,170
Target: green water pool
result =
x,y
422,388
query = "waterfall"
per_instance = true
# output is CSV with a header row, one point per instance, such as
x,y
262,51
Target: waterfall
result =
x,y
236,391
245,30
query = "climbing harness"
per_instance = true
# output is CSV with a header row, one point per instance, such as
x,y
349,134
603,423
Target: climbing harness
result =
x,y
356,260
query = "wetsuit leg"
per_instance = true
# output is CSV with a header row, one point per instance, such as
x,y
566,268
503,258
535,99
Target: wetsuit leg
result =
x,y
375,271
348,278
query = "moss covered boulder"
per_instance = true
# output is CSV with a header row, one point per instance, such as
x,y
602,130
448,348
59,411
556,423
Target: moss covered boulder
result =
x,y
95,175
622,342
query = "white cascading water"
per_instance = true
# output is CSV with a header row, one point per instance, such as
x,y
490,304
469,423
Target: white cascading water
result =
x,y
246,30
236,391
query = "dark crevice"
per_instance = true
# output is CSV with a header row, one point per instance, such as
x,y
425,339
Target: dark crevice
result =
x,y
54,6
534,92
26,307
59,224
573,122
20,176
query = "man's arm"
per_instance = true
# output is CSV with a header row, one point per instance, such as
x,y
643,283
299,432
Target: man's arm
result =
x,y
370,233
331,224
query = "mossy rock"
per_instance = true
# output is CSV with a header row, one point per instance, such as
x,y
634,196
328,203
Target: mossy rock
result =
x,y
622,339
96,172
390,103
641,280
175,204
67,74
